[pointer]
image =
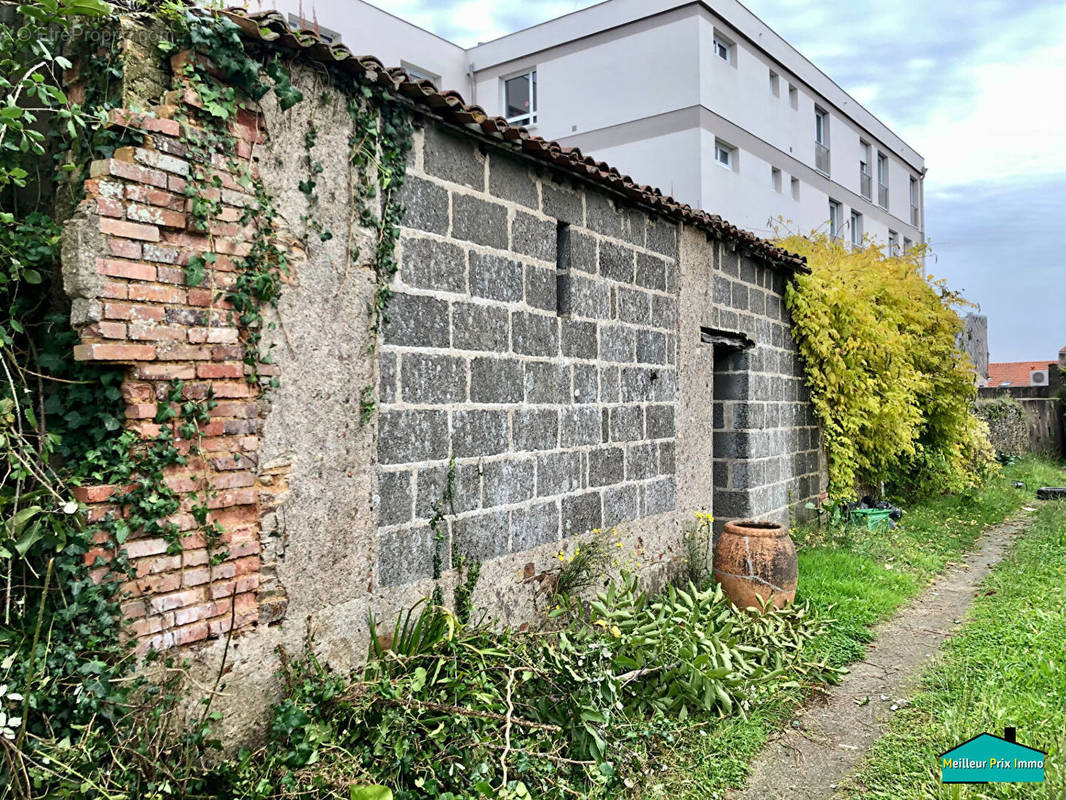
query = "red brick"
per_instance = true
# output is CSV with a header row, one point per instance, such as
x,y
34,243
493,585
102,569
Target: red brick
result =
x,y
176,184
220,370
133,312
201,298
232,497
170,275
145,547
107,207
226,246
157,333
114,291
130,230
157,564
236,408
99,187
157,294
167,372
187,616
124,248
170,602
227,353
113,352
231,390
232,480
140,410
195,577
133,270
191,633
154,215
184,484
120,168
155,197
133,392
164,255
110,330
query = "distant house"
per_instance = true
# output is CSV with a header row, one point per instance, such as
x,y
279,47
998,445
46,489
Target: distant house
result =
x,y
992,759
1020,373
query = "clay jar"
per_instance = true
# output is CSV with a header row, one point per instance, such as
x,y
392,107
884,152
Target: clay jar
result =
x,y
755,562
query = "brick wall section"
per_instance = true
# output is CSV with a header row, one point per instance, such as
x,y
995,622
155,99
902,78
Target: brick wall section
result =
x,y
767,440
558,423
148,318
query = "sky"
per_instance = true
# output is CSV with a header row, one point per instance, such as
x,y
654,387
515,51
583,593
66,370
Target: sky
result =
x,y
977,87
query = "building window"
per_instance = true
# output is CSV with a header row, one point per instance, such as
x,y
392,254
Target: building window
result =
x,y
865,181
325,34
724,49
821,140
795,188
775,178
907,244
520,98
882,180
775,84
417,73
915,194
856,229
834,219
793,96
893,244
725,155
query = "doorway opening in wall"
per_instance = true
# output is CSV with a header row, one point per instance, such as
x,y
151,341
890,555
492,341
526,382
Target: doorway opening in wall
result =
x,y
729,406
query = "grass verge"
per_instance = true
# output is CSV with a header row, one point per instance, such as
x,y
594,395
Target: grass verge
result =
x,y
1005,667
859,578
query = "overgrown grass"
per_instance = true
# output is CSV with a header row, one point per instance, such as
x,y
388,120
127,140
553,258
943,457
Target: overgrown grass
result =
x,y
1005,667
859,578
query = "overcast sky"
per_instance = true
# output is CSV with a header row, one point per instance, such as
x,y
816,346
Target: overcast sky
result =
x,y
977,87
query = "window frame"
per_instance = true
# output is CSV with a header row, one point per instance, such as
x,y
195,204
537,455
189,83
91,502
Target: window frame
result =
x,y
836,209
893,243
720,42
532,116
731,155
776,179
794,184
821,126
855,223
775,84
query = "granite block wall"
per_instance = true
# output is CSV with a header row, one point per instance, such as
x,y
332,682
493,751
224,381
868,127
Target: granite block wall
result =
x,y
532,346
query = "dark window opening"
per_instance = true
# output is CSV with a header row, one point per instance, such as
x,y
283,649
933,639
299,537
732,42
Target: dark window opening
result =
x,y
733,478
562,268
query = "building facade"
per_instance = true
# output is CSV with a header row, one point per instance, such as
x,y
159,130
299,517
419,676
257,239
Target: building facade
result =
x,y
707,103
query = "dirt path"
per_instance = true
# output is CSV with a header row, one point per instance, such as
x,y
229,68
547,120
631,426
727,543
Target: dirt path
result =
x,y
827,739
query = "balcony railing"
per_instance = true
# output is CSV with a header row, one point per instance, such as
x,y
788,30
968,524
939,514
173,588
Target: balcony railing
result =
x,y
882,195
914,216
821,157
866,181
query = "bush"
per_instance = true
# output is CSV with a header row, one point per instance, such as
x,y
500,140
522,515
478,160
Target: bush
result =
x,y
893,391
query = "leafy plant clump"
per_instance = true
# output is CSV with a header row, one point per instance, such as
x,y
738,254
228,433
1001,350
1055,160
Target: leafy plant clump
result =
x,y
452,710
887,380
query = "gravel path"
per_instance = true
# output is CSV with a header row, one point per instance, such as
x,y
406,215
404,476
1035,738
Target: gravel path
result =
x,y
829,737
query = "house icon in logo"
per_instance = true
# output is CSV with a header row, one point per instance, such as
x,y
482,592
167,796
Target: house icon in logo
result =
x,y
991,759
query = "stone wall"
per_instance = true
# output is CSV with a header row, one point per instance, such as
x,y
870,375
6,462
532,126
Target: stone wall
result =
x,y
554,392
545,341
1024,419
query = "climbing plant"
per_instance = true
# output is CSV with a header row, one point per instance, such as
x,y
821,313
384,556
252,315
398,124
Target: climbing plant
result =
x,y
893,391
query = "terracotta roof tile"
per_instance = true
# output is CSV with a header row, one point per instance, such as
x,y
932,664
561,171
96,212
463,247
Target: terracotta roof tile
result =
x,y
270,26
1014,373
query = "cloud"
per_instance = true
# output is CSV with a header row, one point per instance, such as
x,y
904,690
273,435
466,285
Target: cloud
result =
x,y
467,22
999,243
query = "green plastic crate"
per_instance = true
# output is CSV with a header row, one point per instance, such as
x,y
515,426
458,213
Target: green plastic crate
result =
x,y
873,517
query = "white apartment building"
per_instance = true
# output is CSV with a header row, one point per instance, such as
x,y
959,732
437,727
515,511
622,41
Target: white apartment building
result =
x,y
702,100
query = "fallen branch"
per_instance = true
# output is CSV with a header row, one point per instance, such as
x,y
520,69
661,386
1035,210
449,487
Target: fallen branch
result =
x,y
422,705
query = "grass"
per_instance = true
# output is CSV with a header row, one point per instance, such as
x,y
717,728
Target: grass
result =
x,y
859,578
1007,666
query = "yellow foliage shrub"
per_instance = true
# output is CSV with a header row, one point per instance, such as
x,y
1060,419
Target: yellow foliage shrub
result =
x,y
887,380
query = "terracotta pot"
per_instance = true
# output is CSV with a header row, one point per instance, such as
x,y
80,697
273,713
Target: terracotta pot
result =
x,y
755,562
